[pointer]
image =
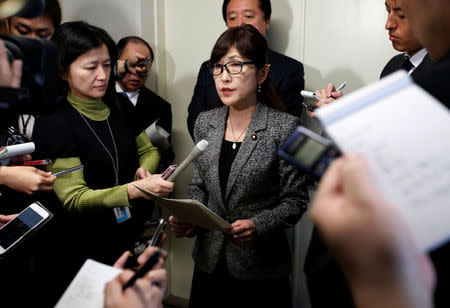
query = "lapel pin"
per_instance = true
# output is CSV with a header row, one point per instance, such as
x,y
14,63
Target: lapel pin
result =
x,y
254,137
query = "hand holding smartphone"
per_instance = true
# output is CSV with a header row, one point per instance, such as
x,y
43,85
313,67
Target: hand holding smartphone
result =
x,y
15,231
140,247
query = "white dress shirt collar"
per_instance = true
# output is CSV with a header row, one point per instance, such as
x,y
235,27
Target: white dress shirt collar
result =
x,y
416,59
132,96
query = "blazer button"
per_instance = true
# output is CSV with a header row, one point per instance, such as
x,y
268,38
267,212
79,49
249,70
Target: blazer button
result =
x,y
254,137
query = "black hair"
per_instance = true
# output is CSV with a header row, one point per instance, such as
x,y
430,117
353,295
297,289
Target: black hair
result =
x,y
133,39
53,12
72,39
251,45
264,5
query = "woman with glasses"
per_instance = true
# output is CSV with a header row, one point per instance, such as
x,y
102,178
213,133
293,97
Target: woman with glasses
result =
x,y
241,178
90,129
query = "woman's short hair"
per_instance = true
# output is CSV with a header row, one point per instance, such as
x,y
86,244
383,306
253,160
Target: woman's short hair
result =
x,y
252,45
72,39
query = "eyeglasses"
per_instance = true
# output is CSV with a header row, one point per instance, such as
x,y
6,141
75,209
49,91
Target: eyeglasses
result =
x,y
233,67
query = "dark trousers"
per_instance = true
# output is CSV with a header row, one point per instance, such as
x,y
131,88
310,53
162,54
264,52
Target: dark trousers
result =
x,y
220,290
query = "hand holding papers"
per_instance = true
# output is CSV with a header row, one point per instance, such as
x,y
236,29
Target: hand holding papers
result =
x,y
190,211
405,135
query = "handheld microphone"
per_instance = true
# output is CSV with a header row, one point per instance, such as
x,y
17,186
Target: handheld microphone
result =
x,y
198,149
15,150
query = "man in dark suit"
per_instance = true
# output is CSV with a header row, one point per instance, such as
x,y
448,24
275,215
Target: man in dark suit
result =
x,y
430,21
145,105
323,274
414,57
430,24
286,73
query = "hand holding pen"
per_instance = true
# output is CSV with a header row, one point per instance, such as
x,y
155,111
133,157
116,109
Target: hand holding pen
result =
x,y
152,281
322,97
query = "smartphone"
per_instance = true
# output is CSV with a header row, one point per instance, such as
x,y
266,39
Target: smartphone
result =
x,y
141,246
168,171
28,221
309,151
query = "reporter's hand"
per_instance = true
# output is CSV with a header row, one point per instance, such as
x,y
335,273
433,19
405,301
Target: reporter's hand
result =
x,y
4,219
26,179
328,96
243,232
179,228
370,239
20,159
146,292
141,173
10,74
143,257
153,183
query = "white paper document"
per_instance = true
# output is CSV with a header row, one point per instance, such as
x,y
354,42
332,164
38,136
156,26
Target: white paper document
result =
x,y
87,288
405,134
191,211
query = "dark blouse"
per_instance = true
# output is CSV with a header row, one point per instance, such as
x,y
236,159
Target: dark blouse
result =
x,y
227,156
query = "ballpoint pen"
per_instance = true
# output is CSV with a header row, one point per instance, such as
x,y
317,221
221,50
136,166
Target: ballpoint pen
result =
x,y
311,95
342,86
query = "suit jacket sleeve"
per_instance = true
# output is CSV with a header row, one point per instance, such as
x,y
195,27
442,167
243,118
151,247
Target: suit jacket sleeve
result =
x,y
293,198
290,87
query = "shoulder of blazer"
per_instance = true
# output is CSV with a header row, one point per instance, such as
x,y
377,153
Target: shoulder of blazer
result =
x,y
394,64
147,94
208,120
283,60
424,66
281,122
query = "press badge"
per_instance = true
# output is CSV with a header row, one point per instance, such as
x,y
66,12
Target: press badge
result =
x,y
122,214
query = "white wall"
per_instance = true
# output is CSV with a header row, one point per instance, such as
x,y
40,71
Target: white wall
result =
x,y
119,18
337,41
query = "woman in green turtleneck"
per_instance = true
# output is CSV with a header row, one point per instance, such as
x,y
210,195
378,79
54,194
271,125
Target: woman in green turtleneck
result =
x,y
90,128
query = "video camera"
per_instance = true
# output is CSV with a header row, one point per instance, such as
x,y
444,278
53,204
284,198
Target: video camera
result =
x,y
38,87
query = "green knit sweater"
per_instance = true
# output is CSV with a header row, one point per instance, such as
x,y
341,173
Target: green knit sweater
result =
x,y
71,188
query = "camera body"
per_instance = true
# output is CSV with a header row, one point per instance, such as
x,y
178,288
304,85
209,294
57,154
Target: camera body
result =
x,y
39,76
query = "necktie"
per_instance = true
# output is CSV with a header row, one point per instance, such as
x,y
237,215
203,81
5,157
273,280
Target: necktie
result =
x,y
407,65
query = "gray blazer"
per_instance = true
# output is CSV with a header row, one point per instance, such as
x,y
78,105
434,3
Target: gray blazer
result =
x,y
261,187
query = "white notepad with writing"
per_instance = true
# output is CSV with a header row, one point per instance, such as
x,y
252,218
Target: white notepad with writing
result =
x,y
405,134
87,288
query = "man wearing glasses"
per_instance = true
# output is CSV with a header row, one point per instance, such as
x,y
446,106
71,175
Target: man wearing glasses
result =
x,y
286,73
146,106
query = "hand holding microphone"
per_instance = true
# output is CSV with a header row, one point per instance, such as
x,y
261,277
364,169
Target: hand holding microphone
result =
x,y
10,151
173,171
